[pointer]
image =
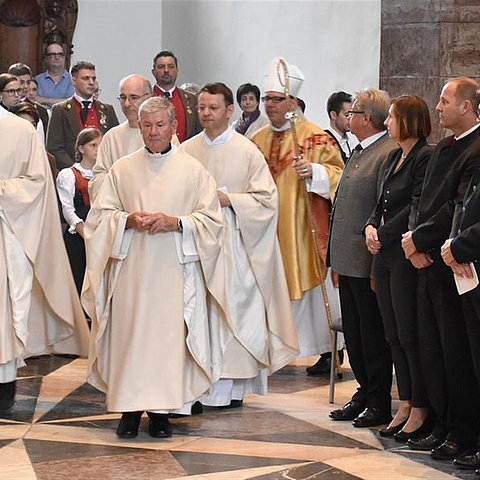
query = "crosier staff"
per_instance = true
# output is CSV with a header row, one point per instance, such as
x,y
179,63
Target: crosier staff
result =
x,y
291,116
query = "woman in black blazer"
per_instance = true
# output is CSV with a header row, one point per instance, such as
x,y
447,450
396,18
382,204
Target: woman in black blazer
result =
x,y
408,123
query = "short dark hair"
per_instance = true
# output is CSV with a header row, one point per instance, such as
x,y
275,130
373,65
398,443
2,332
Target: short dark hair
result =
x,y
413,117
5,79
218,88
248,88
18,69
81,65
26,108
165,53
301,104
52,43
336,100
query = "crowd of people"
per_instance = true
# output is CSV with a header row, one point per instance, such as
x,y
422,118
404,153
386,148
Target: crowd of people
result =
x,y
209,254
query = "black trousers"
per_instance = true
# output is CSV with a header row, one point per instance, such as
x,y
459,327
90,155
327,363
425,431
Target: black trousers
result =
x,y
75,247
397,298
471,309
445,355
367,349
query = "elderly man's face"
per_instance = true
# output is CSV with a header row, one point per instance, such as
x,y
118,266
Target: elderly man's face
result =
x,y
358,120
276,107
132,94
55,56
157,130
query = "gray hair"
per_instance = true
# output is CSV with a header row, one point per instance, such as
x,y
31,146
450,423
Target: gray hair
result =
x,y
154,104
147,86
374,102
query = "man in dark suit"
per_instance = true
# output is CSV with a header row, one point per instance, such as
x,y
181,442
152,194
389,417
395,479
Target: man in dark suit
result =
x,y
75,114
165,71
348,256
24,74
338,104
444,346
459,253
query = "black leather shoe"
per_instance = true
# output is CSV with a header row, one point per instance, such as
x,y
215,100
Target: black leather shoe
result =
x,y
425,444
391,431
322,367
349,411
372,417
468,462
129,423
159,426
197,409
477,472
449,450
7,397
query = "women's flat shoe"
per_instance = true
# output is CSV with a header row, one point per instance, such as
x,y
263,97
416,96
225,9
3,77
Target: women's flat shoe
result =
x,y
421,431
391,431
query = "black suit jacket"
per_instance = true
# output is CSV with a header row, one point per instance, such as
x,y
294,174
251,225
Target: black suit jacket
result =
x,y
344,155
466,225
447,177
399,192
65,125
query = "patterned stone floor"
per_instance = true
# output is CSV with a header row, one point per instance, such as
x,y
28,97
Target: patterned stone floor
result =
x,y
59,429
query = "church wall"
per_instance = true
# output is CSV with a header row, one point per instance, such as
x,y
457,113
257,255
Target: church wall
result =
x,y
336,43
119,37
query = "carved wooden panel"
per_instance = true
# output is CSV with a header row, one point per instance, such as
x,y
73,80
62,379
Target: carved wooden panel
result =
x,y
27,26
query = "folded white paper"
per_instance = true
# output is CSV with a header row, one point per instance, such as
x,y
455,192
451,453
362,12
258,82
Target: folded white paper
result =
x,y
464,285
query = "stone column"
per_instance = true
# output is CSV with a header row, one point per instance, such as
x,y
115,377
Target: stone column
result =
x,y
426,42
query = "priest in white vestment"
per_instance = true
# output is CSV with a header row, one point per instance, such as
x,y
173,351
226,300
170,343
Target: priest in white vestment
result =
x,y
260,336
41,313
153,238
126,137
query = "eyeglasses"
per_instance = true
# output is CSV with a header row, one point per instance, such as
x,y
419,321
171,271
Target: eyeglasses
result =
x,y
273,99
130,98
54,54
12,92
351,112
97,91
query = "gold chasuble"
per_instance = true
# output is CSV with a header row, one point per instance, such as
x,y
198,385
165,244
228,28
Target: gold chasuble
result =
x,y
294,225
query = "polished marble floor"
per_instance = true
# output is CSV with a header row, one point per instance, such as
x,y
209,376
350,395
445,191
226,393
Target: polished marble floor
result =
x,y
59,429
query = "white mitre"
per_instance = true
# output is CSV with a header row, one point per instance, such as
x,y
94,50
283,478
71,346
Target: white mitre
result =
x,y
273,81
